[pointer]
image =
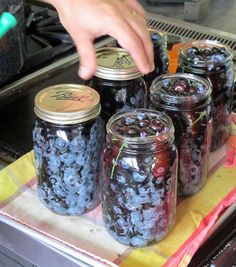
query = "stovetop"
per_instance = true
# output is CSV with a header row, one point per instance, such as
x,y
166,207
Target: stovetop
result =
x,y
45,40
50,59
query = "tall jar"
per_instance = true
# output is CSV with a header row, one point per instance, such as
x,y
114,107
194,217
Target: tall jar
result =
x,y
139,177
186,99
161,57
213,61
68,138
118,81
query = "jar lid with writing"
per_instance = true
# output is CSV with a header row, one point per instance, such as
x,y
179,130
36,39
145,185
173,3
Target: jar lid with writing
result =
x,y
115,64
67,104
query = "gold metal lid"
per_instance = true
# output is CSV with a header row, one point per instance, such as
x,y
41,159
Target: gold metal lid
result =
x,y
67,104
115,64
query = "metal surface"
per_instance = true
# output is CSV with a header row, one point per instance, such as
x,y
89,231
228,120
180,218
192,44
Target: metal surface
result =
x,y
218,243
190,31
27,242
19,248
196,10
48,71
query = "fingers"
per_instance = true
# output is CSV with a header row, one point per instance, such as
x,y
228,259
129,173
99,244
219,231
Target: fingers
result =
x,y
132,34
138,23
87,55
86,20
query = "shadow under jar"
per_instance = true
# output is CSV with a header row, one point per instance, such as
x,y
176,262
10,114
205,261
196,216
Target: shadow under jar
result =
x,y
139,177
68,138
118,81
213,61
186,99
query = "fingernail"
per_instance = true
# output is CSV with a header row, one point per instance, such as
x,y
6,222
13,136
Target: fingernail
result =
x,y
83,72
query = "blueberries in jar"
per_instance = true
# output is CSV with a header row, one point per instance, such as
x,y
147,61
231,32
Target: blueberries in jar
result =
x,y
190,110
139,203
118,81
161,57
69,172
213,61
68,138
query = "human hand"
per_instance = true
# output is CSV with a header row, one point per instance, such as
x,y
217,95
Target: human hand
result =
x,y
124,20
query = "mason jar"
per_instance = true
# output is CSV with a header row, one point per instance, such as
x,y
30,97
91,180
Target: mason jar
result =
x,y
139,177
161,57
213,61
186,98
68,138
118,81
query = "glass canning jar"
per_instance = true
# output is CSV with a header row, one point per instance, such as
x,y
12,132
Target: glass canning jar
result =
x,y
161,57
68,138
139,177
186,99
213,61
118,81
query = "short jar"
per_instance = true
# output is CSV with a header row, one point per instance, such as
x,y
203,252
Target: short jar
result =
x,y
68,138
139,177
213,61
161,57
118,81
186,99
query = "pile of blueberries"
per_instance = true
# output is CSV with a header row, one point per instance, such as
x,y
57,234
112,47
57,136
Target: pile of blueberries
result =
x,y
192,121
180,87
139,188
67,161
217,56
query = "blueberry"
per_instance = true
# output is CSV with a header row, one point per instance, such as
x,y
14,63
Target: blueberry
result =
x,y
70,176
133,131
117,210
121,179
125,164
54,164
121,221
136,217
138,177
81,159
71,199
141,116
78,144
129,120
124,240
138,242
143,123
132,100
144,191
59,191
61,144
149,213
68,158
